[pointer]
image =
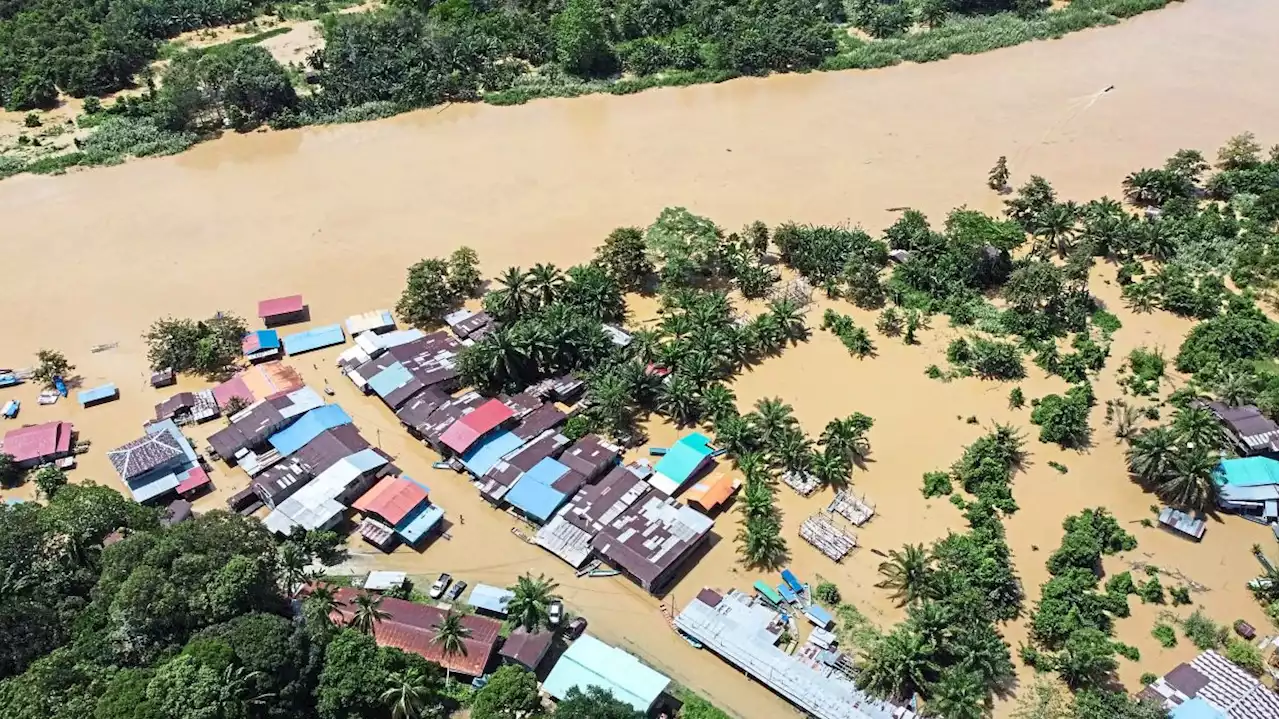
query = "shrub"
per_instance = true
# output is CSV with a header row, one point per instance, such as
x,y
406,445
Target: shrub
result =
x,y
1128,652
1180,595
1246,656
1061,468
959,352
1203,631
1064,420
1016,398
1146,369
1148,678
997,360
31,120
936,484
1121,584
1166,636
1151,591
827,593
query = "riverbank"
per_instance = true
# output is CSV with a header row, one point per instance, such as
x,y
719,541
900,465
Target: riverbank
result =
x,y
69,138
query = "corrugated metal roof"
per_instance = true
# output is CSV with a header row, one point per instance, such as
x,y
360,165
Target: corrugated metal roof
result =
x,y
314,339
490,598
1248,472
590,662
370,321
97,394
533,493
279,306
482,457
681,462
308,427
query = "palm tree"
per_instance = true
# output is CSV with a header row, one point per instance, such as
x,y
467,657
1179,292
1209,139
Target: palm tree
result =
x,y
646,346
846,438
408,692
761,544
1234,388
292,561
1140,297
775,418
960,694
789,318
237,692
530,601
1190,484
450,634
1151,455
677,325
753,467
507,359
698,368
898,666
319,606
1056,226
1198,428
368,612
793,451
514,298
677,399
545,283
831,468
757,501
907,573
718,401
612,403
736,434
1127,420
858,342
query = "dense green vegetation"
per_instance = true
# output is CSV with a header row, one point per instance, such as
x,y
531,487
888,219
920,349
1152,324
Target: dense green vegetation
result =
x,y
415,54
209,347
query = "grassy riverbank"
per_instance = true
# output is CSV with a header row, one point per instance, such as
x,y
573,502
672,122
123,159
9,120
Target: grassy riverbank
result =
x,y
348,91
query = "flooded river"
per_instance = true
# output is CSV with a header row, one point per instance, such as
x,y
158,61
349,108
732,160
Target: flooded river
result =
x,y
337,213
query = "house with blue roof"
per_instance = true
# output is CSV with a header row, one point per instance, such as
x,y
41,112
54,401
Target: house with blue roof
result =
x,y
685,460
308,427
1250,487
483,455
261,345
589,662
539,492
314,339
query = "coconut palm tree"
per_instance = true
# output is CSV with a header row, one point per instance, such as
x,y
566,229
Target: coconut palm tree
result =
x,y
831,468
368,613
678,400
1198,428
760,543
1190,483
774,418
907,573
514,297
545,283
1055,228
237,692
530,601
718,401
789,318
292,560
898,666
450,634
408,693
1151,455
319,606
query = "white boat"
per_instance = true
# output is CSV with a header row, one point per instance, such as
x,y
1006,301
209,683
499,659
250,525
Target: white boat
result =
x,y
48,396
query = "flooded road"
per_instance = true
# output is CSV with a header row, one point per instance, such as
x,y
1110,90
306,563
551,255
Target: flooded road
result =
x,y
338,213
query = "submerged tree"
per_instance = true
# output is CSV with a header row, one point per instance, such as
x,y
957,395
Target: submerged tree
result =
x,y
907,573
998,178
531,601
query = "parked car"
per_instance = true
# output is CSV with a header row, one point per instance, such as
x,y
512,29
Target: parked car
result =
x,y
555,613
576,627
441,584
456,591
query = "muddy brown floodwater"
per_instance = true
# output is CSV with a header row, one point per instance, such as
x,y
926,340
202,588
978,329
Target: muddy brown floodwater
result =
x,y
337,213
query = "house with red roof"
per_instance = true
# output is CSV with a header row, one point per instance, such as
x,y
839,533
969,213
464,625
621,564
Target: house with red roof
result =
x,y
411,627
473,425
37,444
397,507
282,310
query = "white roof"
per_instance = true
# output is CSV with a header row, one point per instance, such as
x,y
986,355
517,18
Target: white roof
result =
x,y
353,355
371,320
664,484
382,581
315,505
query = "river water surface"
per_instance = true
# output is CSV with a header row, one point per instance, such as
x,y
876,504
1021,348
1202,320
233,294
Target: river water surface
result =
x,y
337,213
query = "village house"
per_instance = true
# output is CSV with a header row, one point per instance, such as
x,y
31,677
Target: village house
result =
x,y
155,464
36,444
1212,687
282,310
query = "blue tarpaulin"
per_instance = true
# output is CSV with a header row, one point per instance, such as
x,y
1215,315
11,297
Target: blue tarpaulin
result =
x,y
791,581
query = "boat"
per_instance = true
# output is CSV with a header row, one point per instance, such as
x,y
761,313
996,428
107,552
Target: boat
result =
x,y
603,572
9,379
59,385
48,396
11,409
692,642
440,465
657,451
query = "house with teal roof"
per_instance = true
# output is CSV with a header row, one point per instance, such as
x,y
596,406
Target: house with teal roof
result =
x,y
685,460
